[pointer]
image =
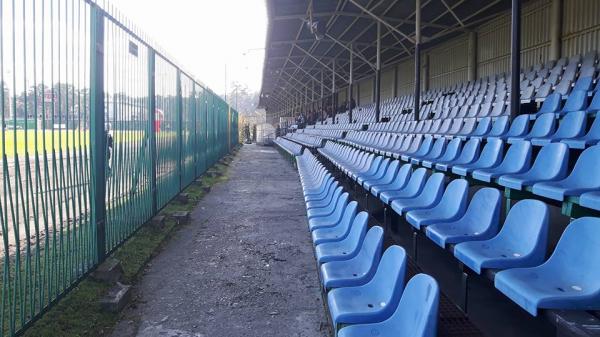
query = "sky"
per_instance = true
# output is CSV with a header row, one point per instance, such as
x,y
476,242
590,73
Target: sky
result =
x,y
207,36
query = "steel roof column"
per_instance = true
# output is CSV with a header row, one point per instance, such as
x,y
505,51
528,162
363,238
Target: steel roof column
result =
x,y
333,105
322,98
378,75
556,29
350,82
515,58
417,59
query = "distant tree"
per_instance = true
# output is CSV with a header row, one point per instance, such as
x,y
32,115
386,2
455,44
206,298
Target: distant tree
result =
x,y
246,100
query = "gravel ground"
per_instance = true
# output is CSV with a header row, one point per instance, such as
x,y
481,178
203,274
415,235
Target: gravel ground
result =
x,y
244,266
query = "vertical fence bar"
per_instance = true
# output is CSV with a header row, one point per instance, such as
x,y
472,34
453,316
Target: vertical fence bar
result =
x,y
98,131
152,127
179,118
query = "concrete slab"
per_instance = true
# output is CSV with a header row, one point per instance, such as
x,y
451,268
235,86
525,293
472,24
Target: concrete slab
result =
x,y
244,266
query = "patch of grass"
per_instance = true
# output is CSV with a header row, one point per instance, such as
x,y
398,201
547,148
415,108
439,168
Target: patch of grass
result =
x,y
79,314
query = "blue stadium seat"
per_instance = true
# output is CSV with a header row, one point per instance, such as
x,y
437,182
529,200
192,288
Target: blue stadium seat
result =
x,y
571,126
415,316
590,200
569,280
359,269
375,301
516,160
326,202
427,198
544,126
388,176
518,128
469,153
338,231
327,210
414,186
576,101
551,104
583,178
368,170
451,152
490,157
520,243
380,172
334,218
483,128
592,137
424,148
348,247
450,208
479,222
594,106
399,181
436,151
550,164
414,146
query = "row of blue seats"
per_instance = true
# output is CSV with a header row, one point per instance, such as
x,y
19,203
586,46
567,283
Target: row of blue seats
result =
x,y
443,211
291,148
366,291
305,139
572,129
547,175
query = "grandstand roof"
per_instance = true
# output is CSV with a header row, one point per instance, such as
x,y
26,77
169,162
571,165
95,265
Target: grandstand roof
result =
x,y
291,45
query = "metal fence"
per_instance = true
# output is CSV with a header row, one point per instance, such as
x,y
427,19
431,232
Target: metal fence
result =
x,y
100,129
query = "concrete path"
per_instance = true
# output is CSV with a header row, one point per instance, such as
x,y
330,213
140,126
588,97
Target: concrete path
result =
x,y
243,267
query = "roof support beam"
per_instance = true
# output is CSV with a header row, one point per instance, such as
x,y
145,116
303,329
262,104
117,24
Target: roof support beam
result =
x,y
391,27
349,49
515,58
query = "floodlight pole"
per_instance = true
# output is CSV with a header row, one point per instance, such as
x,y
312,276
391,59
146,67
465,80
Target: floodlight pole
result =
x,y
515,59
378,75
417,59
350,85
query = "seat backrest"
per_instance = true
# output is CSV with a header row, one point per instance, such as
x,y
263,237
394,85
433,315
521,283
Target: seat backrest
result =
x,y
403,176
417,312
583,83
452,150
491,153
483,212
391,272
437,148
499,127
544,125
585,171
470,151
551,104
578,251
433,189
373,243
358,230
518,126
576,101
454,199
551,162
483,126
416,182
526,227
595,103
518,156
572,125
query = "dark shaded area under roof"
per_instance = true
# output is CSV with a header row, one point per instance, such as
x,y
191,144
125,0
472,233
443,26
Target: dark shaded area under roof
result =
x,y
294,56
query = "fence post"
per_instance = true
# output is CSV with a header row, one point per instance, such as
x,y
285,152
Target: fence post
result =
x,y
152,127
179,111
97,130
